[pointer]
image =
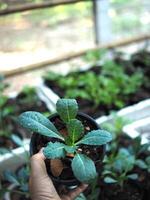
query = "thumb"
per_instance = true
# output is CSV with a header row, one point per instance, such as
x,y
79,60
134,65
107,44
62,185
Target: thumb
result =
x,y
41,186
38,168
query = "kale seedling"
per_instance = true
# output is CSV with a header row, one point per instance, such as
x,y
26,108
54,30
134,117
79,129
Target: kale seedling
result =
x,y
117,168
83,167
20,180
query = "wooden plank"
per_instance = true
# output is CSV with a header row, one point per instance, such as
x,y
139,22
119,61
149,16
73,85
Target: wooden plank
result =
x,y
45,63
33,6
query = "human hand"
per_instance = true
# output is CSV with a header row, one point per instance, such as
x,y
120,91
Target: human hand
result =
x,y
41,186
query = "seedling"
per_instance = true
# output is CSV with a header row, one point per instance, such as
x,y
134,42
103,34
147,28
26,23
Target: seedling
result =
x,y
20,180
82,166
117,168
110,88
5,110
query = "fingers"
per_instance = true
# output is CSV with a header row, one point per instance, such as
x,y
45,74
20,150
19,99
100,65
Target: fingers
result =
x,y
74,193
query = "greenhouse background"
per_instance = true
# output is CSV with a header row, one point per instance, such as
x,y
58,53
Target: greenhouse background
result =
x,y
94,51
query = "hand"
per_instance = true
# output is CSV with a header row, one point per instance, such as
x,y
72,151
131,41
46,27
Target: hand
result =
x,y
41,186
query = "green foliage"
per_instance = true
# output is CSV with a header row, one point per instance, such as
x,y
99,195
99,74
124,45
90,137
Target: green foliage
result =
x,y
67,109
87,168
118,166
29,95
75,129
5,110
54,150
96,137
94,55
111,87
83,167
116,126
20,179
37,122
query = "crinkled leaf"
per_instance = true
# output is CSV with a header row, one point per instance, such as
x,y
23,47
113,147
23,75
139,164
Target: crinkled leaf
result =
x,y
36,122
133,176
54,150
96,137
70,149
75,129
67,109
109,180
141,164
83,168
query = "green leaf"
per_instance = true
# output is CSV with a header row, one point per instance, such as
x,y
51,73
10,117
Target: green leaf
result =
x,y
17,140
141,164
133,176
81,197
148,161
54,150
70,149
11,177
109,180
124,161
37,122
83,168
96,137
67,109
75,129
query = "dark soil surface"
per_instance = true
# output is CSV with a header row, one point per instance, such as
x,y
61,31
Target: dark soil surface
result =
x,y
114,192
16,196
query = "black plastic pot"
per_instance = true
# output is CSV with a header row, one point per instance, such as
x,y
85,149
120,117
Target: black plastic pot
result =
x,y
36,138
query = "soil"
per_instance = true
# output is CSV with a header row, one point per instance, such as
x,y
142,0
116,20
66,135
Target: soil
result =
x,y
16,196
131,66
113,192
96,153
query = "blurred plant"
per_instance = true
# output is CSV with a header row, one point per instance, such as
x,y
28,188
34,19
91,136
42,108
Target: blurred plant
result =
x,y
94,55
111,87
20,179
5,110
28,95
116,126
138,149
117,167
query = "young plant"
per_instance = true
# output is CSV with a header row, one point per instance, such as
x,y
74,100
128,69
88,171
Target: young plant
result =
x,y
117,168
29,95
112,87
138,149
5,110
83,167
20,180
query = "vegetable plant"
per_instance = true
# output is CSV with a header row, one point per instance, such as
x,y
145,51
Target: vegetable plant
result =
x,y
29,95
111,87
20,179
83,167
5,110
117,167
